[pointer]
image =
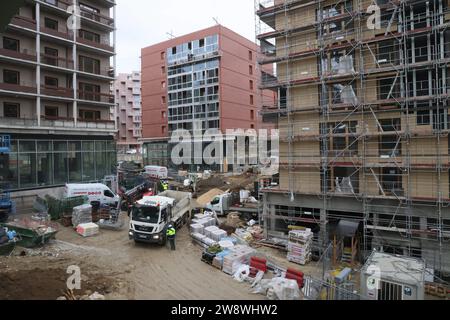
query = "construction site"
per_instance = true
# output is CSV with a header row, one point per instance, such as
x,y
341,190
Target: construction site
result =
x,y
364,123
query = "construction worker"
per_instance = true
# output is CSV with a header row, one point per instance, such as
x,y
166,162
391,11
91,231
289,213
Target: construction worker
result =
x,y
170,233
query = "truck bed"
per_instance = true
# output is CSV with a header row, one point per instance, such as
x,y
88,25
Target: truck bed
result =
x,y
182,203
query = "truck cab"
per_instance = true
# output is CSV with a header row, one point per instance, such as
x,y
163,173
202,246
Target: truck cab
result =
x,y
149,218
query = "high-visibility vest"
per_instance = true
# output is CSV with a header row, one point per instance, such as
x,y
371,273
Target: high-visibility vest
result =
x,y
165,186
170,232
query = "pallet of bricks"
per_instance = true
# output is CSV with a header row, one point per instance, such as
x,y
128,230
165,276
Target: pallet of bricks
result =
x,y
299,246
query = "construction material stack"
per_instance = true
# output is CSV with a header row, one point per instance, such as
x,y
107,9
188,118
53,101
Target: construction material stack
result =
x,y
88,229
299,246
238,256
82,214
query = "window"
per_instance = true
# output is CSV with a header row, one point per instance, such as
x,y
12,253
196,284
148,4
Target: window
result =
x,y
388,88
202,43
163,84
11,44
50,53
163,114
163,129
423,117
90,65
90,36
11,77
51,24
89,115
163,99
51,82
163,70
250,55
51,112
251,84
252,114
108,194
89,91
392,181
250,70
11,110
163,55
251,99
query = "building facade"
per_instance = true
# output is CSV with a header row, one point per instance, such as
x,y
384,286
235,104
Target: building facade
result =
x,y
363,119
127,88
205,80
55,93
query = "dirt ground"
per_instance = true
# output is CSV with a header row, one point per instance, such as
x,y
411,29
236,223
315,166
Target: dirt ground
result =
x,y
117,268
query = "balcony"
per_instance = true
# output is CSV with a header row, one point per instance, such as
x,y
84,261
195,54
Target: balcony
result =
x,y
18,122
96,97
24,22
17,88
96,124
56,61
102,44
62,32
98,18
57,92
58,3
104,72
58,123
23,55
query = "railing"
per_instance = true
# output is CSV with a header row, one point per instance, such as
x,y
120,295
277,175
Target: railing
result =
x,y
58,3
97,18
96,124
57,91
61,32
103,44
56,61
17,88
58,122
24,55
24,22
106,72
95,96
18,122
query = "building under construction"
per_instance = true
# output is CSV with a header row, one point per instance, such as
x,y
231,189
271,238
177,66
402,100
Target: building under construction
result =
x,y
364,123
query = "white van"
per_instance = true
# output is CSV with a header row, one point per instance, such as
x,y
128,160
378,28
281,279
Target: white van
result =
x,y
94,191
157,172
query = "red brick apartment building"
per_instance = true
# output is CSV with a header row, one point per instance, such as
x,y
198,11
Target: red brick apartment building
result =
x,y
203,80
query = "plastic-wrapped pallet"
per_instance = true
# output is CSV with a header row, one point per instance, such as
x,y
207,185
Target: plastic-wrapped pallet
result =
x,y
218,235
197,228
208,241
88,229
238,255
209,231
198,236
299,246
82,214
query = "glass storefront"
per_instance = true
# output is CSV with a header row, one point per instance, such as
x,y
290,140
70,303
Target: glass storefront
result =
x,y
45,163
155,154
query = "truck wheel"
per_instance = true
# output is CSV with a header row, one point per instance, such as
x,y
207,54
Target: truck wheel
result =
x,y
185,218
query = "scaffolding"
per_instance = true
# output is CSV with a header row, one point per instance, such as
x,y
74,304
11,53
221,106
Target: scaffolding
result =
x,y
363,116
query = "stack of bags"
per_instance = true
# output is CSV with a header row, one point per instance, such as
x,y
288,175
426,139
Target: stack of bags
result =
x,y
88,229
238,256
299,246
82,214
197,228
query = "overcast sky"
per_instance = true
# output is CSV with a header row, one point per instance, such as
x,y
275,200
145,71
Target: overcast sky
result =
x,y
141,23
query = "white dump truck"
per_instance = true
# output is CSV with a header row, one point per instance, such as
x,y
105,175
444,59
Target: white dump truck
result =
x,y
151,215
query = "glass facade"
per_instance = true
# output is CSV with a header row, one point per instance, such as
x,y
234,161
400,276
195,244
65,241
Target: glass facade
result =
x,y
193,88
46,163
155,154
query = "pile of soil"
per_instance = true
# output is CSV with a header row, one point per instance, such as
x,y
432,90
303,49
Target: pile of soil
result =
x,y
48,284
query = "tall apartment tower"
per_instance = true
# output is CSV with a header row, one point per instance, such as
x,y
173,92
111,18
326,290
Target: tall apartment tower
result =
x,y
364,122
127,88
204,80
55,93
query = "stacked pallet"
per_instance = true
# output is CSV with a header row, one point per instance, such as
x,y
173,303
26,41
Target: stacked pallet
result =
x,y
82,214
238,255
299,246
